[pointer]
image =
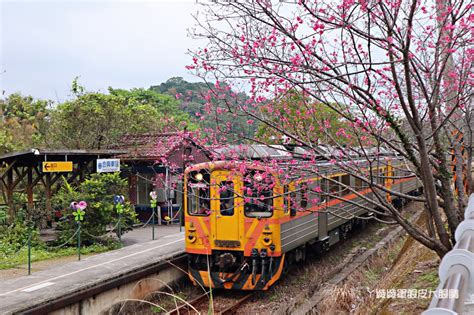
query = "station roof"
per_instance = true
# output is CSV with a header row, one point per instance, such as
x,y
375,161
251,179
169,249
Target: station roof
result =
x,y
33,156
153,146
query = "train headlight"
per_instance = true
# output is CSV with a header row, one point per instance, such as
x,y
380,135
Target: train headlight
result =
x,y
267,236
199,177
191,238
267,240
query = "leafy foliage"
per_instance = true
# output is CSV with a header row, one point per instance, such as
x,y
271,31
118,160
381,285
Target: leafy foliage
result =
x,y
14,239
98,191
3,215
23,122
95,121
166,105
15,236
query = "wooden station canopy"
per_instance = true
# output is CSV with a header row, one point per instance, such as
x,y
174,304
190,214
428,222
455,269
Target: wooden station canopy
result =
x,y
45,167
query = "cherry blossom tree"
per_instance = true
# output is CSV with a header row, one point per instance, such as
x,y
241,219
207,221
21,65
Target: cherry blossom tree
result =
x,y
398,73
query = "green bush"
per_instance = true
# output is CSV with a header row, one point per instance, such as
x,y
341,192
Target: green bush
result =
x,y
98,191
3,215
15,236
14,249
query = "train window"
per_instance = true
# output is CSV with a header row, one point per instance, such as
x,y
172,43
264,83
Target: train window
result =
x,y
198,198
381,176
304,197
359,184
402,172
314,197
287,199
258,195
397,172
323,196
226,198
346,183
293,203
334,187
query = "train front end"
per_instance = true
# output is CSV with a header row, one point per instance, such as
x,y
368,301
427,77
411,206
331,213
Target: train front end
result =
x,y
232,226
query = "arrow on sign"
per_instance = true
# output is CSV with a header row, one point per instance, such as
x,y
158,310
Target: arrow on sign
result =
x,y
57,166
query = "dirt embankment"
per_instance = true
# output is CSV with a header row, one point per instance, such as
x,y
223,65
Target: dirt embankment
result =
x,y
400,279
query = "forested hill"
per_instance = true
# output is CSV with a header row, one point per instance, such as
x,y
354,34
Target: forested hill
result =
x,y
192,97
190,93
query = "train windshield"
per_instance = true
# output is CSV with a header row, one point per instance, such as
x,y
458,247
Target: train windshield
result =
x,y
258,194
199,200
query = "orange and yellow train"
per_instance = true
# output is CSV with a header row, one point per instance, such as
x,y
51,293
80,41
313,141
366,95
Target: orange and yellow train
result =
x,y
244,223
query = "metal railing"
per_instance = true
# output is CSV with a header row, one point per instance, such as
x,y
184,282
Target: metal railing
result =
x,y
456,271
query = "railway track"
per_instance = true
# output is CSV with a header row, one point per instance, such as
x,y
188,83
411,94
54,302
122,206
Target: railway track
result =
x,y
221,302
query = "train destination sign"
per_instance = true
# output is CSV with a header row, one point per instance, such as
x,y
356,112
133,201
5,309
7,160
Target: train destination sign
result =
x,y
57,166
108,165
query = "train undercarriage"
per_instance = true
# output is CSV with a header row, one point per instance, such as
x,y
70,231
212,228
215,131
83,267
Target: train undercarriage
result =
x,y
232,270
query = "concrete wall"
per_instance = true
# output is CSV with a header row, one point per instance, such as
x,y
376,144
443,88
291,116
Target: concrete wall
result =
x,y
103,302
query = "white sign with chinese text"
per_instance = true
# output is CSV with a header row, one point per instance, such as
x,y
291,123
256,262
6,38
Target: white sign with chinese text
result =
x,y
108,165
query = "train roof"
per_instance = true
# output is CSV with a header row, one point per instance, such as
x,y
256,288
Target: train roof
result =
x,y
294,161
284,152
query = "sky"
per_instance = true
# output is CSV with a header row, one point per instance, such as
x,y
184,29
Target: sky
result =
x,y
122,44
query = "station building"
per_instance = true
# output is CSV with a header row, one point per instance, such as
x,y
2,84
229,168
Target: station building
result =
x,y
149,161
155,162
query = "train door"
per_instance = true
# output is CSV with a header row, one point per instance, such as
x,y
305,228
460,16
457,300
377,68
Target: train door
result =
x,y
227,209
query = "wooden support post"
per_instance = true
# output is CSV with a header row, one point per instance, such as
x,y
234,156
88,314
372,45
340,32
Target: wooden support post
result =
x,y
11,210
7,169
47,189
132,189
29,188
3,189
83,172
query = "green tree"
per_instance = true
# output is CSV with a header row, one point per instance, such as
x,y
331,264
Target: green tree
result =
x,y
166,105
97,121
23,122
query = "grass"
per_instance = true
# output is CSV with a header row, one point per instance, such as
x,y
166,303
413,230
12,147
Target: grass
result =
x,y
8,261
372,275
158,309
428,280
274,297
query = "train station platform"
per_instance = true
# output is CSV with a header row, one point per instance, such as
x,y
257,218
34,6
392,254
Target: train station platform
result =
x,y
29,292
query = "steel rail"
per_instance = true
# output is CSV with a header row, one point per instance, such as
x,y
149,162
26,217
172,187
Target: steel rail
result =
x,y
456,271
233,308
185,308
82,294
